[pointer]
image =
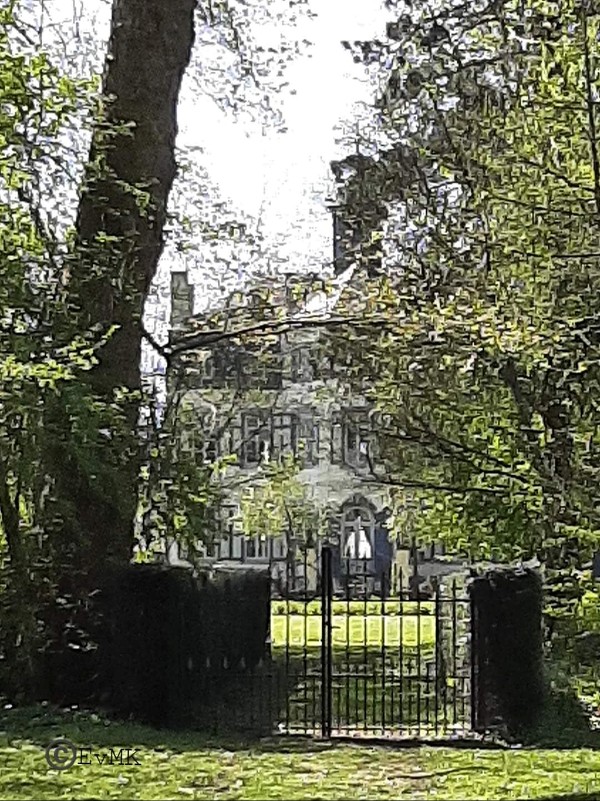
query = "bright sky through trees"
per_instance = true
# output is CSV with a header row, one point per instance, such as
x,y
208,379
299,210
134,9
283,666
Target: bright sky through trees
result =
x,y
284,175
277,177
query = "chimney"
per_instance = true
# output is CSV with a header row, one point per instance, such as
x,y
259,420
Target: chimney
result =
x,y
182,300
344,246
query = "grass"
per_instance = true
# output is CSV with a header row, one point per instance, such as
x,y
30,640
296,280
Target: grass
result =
x,y
354,631
372,695
375,659
190,765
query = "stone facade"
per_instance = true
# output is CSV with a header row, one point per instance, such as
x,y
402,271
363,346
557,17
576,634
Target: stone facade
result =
x,y
292,401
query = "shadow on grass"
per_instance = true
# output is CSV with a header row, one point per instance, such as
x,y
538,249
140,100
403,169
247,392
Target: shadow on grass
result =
x,y
575,797
41,724
563,724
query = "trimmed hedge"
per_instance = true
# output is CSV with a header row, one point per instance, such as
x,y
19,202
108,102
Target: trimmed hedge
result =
x,y
358,608
508,649
167,634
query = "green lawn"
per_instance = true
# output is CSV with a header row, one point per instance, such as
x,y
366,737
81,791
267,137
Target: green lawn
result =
x,y
354,630
188,765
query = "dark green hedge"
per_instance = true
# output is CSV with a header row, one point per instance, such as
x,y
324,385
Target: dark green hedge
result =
x,y
168,634
507,648
358,608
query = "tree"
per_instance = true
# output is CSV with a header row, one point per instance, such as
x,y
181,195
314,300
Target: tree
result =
x,y
118,241
281,505
39,108
72,308
486,363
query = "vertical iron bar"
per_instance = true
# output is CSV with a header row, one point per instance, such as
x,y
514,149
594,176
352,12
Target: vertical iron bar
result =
x,y
305,606
288,682
269,676
329,641
463,676
474,672
383,653
401,653
326,668
374,691
365,664
438,658
454,676
348,622
391,660
419,683
428,696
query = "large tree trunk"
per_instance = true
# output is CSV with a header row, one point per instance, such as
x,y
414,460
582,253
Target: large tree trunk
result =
x,y
118,246
95,455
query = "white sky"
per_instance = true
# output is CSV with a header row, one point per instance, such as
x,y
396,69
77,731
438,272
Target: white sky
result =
x,y
288,171
291,169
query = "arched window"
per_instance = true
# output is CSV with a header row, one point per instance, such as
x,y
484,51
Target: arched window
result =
x,y
358,533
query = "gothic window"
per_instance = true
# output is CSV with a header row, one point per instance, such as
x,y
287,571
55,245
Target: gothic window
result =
x,y
355,439
336,438
350,439
358,538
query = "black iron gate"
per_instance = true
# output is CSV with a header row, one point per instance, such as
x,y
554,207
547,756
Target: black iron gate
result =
x,y
351,655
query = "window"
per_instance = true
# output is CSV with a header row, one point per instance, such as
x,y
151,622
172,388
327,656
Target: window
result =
x,y
350,439
336,439
356,439
358,531
301,368
256,438
201,443
227,523
208,447
285,434
257,547
266,437
261,368
208,368
308,439
211,450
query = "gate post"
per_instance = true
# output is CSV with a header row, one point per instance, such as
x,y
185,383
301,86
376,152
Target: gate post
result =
x,y
507,654
326,627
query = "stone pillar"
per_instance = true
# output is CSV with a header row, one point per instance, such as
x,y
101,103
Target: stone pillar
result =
x,y
507,645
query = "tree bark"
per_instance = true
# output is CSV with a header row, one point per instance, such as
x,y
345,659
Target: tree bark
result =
x,y
119,241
